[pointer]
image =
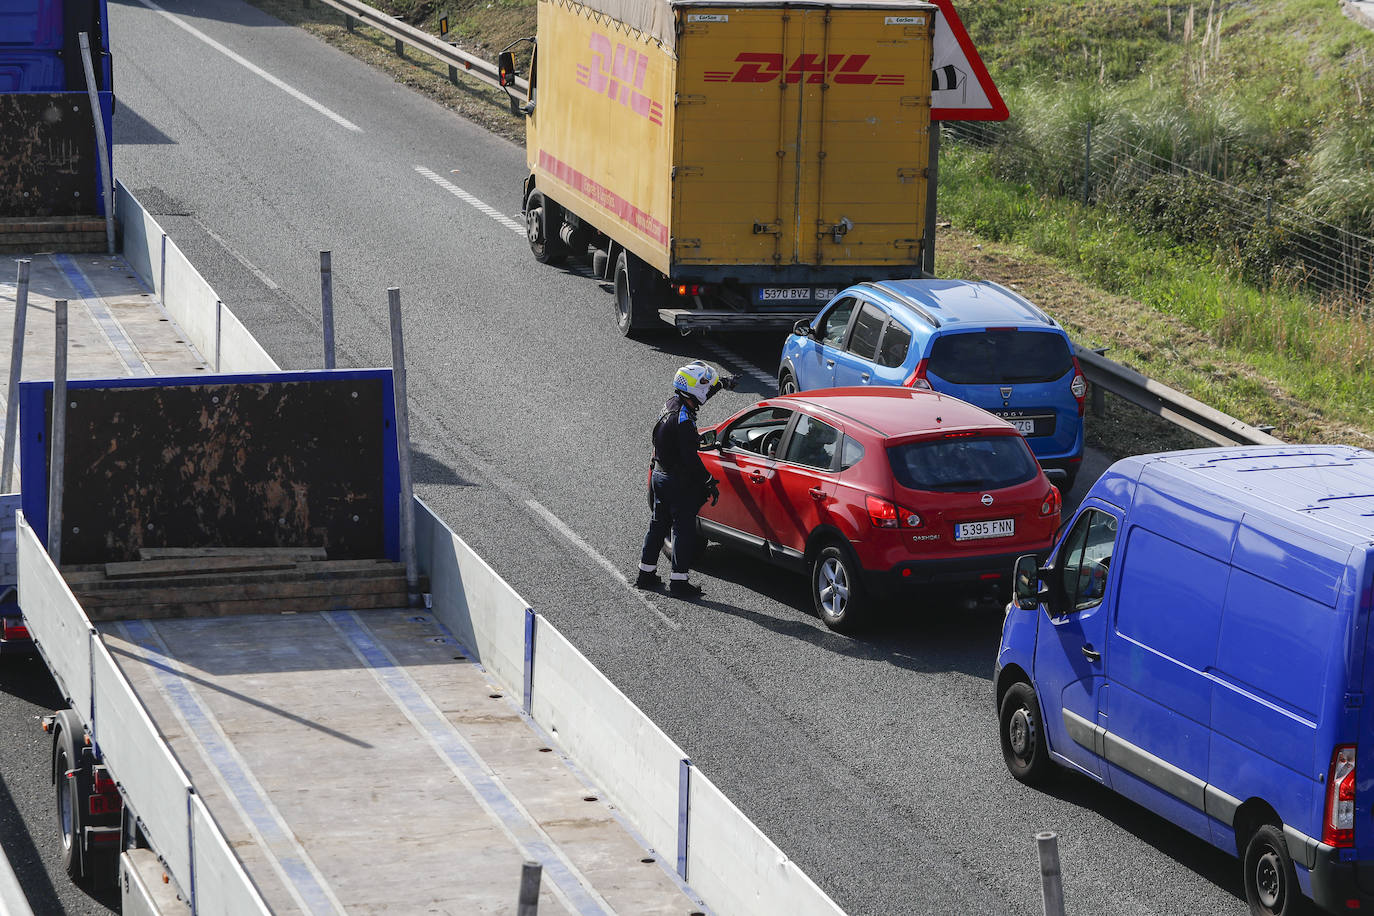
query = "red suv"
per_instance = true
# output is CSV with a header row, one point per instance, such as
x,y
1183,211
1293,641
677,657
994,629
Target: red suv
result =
x,y
875,490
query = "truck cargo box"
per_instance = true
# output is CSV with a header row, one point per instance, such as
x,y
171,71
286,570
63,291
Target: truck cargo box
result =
x,y
770,153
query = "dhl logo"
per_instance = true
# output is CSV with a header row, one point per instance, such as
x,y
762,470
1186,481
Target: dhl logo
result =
x,y
619,74
840,68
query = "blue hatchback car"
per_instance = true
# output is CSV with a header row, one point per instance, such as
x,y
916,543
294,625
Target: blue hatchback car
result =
x,y
977,341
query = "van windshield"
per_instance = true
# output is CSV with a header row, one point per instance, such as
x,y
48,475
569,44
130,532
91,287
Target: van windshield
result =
x,y
964,463
1006,357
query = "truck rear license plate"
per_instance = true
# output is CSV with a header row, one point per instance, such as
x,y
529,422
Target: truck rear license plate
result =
x,y
794,294
997,528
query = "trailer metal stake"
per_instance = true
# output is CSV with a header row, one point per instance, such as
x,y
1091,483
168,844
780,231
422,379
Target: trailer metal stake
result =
x,y
398,371
101,143
58,437
21,308
327,305
530,874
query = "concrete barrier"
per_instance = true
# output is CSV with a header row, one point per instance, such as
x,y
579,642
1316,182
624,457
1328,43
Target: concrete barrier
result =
x,y
209,325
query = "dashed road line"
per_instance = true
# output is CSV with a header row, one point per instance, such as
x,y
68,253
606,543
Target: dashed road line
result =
x,y
503,219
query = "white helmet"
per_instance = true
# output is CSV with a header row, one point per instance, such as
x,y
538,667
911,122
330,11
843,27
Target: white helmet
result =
x,y
695,379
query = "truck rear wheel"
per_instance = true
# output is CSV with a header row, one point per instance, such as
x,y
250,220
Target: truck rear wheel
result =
x,y
638,293
69,794
542,219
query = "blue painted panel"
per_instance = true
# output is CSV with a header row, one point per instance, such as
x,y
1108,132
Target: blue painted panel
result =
x,y
30,71
1283,647
1243,773
1161,803
1180,507
1310,566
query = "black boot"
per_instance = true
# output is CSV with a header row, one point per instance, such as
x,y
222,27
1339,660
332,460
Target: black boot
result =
x,y
648,580
681,588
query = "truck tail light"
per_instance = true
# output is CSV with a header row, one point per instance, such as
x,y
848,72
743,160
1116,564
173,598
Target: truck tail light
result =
x,y
14,629
1338,827
885,514
1050,505
1079,386
917,378
690,289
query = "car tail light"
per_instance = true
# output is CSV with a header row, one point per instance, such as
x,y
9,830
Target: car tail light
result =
x,y
1338,828
917,378
1050,505
885,514
1079,386
14,629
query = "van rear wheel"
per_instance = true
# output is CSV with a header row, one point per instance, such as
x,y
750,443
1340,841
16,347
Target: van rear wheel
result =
x,y
1271,884
1023,735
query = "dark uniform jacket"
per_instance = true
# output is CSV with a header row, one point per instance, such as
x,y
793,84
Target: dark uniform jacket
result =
x,y
676,440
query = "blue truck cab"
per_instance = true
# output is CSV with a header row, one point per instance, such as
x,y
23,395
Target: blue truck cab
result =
x,y
1196,641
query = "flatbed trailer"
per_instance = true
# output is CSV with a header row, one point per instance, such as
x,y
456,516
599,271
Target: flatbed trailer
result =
x,y
264,730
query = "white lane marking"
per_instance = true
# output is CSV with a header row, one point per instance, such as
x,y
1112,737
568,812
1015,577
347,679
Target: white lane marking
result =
x,y
557,524
265,280
441,181
239,59
726,355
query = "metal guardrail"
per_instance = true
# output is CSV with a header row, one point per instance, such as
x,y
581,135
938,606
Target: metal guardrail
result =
x,y
1163,401
458,61
1103,374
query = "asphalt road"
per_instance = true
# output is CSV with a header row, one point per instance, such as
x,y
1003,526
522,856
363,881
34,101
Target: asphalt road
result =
x,y
871,761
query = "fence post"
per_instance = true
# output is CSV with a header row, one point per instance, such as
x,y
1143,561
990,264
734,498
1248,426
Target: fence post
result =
x,y
21,307
1087,159
327,306
1051,882
530,873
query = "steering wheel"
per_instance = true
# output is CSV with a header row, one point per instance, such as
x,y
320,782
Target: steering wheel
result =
x,y
768,445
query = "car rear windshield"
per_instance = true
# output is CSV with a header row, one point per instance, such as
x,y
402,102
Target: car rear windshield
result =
x,y
1000,357
963,463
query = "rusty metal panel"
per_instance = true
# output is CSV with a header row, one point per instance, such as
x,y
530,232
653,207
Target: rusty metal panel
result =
x,y
48,160
303,463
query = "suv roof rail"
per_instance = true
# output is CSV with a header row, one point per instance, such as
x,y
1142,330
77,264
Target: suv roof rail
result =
x,y
1021,300
905,300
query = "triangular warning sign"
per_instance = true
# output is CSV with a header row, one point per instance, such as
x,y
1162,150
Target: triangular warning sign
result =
x,y
961,89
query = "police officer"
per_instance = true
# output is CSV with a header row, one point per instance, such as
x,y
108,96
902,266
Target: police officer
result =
x,y
680,482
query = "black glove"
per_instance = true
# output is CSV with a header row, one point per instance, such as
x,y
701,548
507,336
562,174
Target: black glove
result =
x,y
729,381
712,491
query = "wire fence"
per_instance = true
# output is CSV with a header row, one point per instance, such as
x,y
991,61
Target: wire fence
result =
x,y
1266,242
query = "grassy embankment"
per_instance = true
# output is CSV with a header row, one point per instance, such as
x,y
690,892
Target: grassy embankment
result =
x,y
1275,96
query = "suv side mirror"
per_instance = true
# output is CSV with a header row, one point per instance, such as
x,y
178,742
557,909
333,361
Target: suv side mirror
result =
x,y
708,441
802,328
1026,590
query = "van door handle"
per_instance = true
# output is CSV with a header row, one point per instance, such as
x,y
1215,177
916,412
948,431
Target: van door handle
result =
x,y
816,493
1091,654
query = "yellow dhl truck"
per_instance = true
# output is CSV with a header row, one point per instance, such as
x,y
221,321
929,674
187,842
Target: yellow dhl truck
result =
x,y
728,164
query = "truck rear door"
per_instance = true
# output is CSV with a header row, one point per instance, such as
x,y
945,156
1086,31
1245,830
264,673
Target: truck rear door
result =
x,y
802,134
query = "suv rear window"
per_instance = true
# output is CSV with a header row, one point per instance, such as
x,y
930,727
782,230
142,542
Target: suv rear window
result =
x,y
1000,357
965,463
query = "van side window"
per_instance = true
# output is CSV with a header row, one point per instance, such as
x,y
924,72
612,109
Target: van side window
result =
x,y
1085,559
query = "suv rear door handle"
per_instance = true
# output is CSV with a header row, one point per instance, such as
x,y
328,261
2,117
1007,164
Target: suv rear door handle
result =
x,y
816,493
1090,653
756,477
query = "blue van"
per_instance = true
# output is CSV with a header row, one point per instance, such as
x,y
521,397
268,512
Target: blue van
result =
x,y
977,341
1197,642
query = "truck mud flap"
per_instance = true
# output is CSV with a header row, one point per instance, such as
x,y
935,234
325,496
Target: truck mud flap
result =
x,y
691,319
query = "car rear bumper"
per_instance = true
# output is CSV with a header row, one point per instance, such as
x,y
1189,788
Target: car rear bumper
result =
x,y
992,570
1335,883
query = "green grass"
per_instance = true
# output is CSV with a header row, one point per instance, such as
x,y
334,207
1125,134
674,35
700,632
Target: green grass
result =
x,y
1315,352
